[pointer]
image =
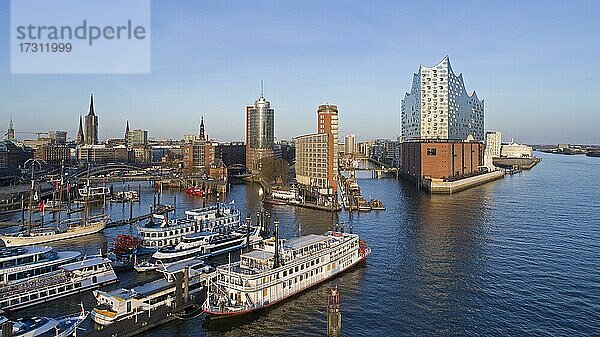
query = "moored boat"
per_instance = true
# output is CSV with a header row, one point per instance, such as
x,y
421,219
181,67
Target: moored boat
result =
x,y
35,326
72,278
68,229
122,304
161,232
204,245
20,264
277,269
377,205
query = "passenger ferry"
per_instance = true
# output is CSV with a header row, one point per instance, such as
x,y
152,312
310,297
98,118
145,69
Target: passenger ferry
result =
x,y
68,229
206,244
121,304
20,264
161,232
273,272
74,277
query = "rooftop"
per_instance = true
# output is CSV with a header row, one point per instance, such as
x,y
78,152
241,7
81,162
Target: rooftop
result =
x,y
303,241
89,262
259,255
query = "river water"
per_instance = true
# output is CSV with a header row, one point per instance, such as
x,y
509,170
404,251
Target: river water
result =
x,y
519,256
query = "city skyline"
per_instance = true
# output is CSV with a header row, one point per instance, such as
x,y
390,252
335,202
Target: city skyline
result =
x,y
308,62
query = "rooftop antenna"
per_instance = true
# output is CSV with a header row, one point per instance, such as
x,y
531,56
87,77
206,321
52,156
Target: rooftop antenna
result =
x,y
262,88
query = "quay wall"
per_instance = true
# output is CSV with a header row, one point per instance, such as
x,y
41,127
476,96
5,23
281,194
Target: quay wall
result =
x,y
447,187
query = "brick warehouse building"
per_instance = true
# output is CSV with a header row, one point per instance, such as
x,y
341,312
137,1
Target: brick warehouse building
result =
x,y
448,160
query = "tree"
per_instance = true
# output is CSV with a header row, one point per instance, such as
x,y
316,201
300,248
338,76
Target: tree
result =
x,y
274,170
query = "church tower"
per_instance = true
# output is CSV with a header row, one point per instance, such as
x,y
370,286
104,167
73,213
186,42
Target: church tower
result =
x,y
91,124
80,138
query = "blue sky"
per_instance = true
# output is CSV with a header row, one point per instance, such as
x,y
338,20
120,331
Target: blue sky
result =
x,y
534,63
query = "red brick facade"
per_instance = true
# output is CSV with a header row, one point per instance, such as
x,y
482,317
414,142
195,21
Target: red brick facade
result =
x,y
443,160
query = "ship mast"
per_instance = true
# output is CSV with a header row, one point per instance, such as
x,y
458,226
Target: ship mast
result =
x,y
60,193
276,257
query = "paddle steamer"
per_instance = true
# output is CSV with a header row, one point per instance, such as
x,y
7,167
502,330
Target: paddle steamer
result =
x,y
277,269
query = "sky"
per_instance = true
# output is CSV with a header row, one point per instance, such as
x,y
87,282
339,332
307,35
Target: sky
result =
x,y
533,62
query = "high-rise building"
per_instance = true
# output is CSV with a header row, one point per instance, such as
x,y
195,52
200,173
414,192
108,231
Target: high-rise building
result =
x,y
312,154
439,107
80,139
137,137
233,153
260,132
328,123
10,134
350,144
91,125
198,156
58,137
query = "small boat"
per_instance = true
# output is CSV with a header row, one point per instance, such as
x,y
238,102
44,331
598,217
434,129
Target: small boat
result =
x,y
290,194
377,205
195,191
126,196
145,266
93,193
363,205
272,201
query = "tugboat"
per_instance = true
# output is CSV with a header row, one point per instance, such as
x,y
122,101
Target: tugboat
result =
x,y
277,269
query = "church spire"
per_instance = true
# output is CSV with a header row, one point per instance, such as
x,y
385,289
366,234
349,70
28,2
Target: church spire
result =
x,y
127,130
91,111
79,140
201,132
11,130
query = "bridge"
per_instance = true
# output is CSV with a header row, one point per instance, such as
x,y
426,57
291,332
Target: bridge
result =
x,y
380,171
103,169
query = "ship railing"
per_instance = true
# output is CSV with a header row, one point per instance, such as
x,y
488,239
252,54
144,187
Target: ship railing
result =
x,y
33,285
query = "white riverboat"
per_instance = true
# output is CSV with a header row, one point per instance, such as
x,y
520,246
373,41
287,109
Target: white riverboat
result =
x,y
34,326
161,232
121,304
282,194
93,193
21,264
70,228
271,272
71,278
206,244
